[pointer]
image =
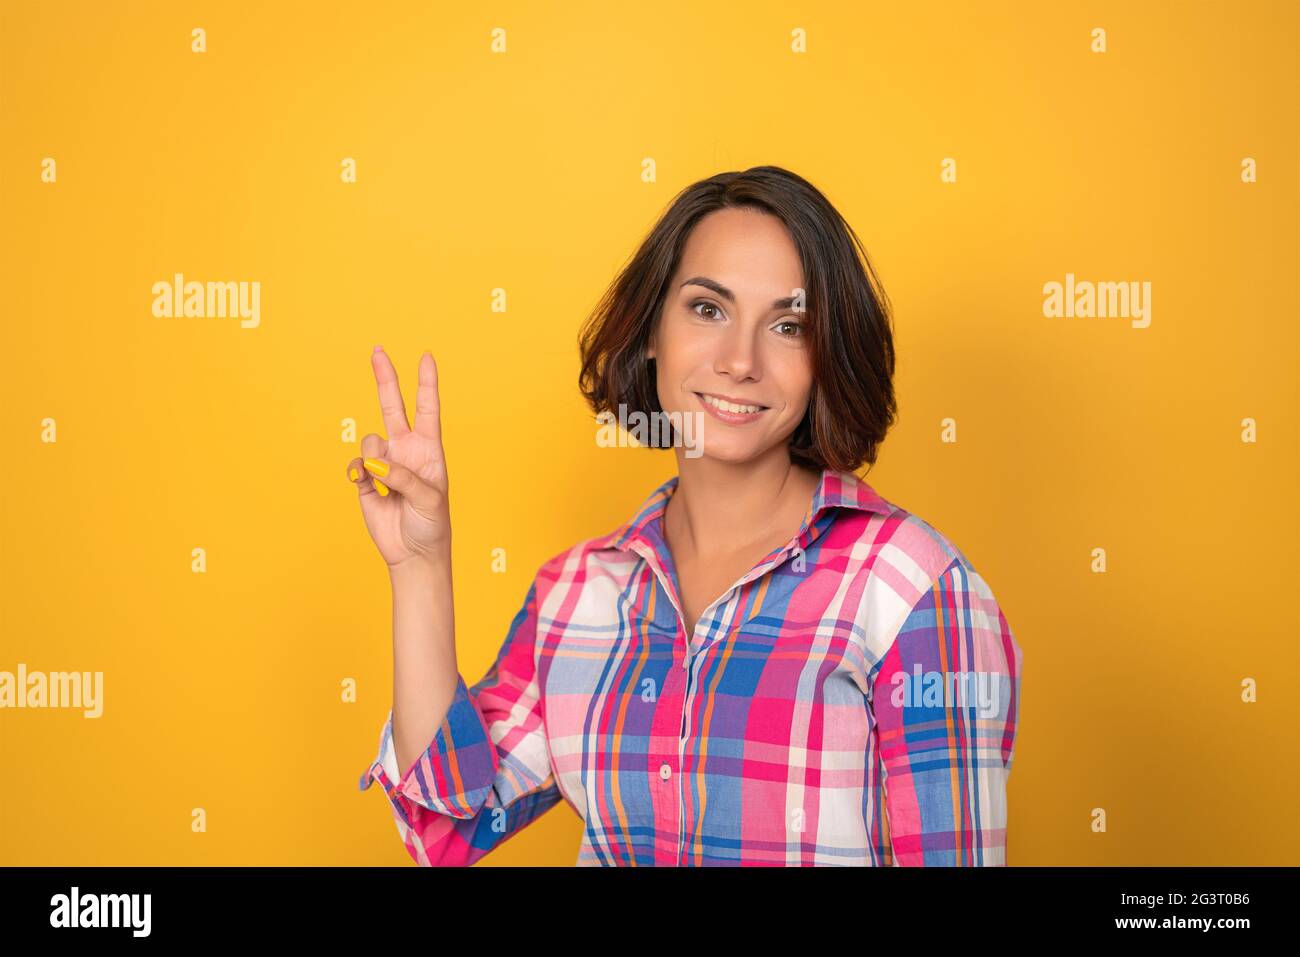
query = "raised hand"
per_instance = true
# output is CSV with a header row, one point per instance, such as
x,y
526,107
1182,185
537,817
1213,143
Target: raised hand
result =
x,y
412,522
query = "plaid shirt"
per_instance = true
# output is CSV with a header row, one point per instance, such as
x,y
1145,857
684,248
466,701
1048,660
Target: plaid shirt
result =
x,y
851,700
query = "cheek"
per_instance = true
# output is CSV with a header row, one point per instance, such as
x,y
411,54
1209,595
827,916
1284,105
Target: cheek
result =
x,y
794,375
685,352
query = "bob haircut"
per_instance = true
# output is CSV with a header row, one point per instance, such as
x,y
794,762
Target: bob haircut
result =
x,y
851,405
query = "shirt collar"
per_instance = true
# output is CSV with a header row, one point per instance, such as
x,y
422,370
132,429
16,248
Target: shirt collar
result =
x,y
836,489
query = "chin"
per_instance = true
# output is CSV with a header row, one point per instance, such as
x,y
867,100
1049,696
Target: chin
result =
x,y
733,455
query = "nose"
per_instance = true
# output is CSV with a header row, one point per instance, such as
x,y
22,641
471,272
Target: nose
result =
x,y
737,355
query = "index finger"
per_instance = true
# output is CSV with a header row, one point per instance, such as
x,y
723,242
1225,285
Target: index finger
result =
x,y
390,395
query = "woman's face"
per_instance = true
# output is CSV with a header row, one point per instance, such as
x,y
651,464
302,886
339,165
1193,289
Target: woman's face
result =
x,y
729,329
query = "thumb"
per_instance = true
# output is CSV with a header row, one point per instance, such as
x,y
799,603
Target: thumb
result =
x,y
403,481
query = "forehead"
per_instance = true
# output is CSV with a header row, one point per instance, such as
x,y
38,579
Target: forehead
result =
x,y
748,251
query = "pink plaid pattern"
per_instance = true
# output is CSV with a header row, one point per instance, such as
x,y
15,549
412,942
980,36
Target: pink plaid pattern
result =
x,y
851,700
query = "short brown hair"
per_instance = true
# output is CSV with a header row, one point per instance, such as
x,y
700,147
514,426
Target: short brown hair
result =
x,y
852,403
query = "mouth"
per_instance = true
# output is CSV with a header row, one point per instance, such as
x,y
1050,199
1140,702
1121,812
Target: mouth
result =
x,y
726,410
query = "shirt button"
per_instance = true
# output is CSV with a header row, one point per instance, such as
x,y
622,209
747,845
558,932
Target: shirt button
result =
x,y
665,771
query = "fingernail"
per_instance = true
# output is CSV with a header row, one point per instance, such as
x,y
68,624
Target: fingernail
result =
x,y
374,465
353,473
379,348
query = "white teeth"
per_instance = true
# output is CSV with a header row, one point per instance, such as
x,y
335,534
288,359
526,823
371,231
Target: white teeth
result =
x,y
730,406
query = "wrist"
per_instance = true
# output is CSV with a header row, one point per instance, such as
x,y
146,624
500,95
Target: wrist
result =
x,y
420,569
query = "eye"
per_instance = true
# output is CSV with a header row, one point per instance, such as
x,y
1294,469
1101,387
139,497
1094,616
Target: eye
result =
x,y
708,305
795,325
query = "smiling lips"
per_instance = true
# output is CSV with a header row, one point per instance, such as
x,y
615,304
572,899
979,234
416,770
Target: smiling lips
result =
x,y
729,411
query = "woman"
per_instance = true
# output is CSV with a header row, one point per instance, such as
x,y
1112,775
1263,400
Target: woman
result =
x,y
768,663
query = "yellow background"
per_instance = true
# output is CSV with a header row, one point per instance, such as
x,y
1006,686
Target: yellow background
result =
x,y
522,171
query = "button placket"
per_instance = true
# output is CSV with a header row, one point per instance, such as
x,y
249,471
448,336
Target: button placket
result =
x,y
652,549
664,803
694,642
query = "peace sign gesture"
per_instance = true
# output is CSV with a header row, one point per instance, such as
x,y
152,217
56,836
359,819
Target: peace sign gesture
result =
x,y
412,522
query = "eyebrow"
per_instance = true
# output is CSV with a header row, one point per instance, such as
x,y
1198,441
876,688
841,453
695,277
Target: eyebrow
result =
x,y
730,296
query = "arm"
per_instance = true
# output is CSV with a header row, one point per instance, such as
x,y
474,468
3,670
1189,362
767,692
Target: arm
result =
x,y
486,773
424,653
945,700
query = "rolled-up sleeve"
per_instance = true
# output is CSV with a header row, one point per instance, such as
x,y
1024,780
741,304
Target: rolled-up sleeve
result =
x,y
486,774
945,701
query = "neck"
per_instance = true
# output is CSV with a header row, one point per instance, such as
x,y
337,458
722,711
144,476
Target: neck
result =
x,y
719,507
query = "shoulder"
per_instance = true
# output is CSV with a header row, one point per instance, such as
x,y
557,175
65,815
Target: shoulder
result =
x,y
903,547
580,554
581,568
901,565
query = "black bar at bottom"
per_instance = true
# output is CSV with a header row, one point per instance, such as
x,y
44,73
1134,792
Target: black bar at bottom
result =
x,y
500,907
